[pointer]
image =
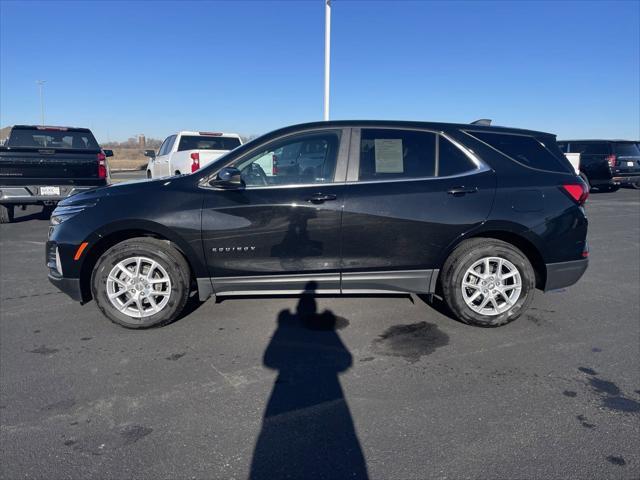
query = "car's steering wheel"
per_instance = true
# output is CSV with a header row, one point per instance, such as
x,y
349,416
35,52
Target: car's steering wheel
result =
x,y
253,174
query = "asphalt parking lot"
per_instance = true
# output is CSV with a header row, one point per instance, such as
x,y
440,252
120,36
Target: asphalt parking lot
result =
x,y
245,387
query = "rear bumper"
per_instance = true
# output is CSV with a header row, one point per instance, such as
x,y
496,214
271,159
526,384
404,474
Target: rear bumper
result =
x,y
30,194
70,286
624,180
564,274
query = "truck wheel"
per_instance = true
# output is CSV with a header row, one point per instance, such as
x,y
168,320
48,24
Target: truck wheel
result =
x,y
6,213
487,282
636,185
47,210
141,282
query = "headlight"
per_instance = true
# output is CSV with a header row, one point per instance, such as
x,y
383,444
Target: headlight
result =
x,y
63,213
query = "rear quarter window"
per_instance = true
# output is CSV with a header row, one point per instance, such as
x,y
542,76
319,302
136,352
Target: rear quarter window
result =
x,y
527,150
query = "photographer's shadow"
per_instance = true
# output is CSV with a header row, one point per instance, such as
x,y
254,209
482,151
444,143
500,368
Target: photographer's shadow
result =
x,y
307,430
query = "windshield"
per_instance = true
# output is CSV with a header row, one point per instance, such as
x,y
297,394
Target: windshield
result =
x,y
52,138
196,142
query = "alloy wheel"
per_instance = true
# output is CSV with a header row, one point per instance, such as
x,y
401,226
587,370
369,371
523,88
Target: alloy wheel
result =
x,y
138,287
491,286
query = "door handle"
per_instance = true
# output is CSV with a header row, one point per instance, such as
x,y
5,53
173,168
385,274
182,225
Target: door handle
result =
x,y
460,191
320,197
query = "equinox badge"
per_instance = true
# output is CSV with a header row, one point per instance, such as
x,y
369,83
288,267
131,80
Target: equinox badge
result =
x,y
232,249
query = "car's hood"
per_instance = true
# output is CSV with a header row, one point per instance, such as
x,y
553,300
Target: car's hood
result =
x,y
135,187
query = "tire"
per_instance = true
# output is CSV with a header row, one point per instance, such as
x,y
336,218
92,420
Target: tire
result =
x,y
47,210
475,251
636,185
6,213
586,180
171,265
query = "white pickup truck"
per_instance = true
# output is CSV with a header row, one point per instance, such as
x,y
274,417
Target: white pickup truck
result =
x,y
186,152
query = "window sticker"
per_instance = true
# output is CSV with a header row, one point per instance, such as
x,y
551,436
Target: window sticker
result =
x,y
388,155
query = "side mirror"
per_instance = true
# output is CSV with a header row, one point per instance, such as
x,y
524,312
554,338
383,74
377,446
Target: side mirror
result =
x,y
108,153
229,178
150,153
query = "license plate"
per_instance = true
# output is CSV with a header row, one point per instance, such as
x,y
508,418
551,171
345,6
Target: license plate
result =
x,y
49,190
630,164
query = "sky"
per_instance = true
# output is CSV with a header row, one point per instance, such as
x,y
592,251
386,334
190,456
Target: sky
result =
x,y
123,68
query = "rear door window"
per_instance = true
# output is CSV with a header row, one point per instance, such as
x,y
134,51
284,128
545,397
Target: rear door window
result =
x,y
409,154
526,150
396,154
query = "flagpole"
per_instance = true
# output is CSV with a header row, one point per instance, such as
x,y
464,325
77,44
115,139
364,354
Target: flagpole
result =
x,y
327,55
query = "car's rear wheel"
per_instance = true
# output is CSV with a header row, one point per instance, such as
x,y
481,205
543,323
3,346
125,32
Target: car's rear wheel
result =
x,y
6,213
141,282
487,282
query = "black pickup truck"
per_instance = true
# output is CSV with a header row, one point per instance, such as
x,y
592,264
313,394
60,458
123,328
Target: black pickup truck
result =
x,y
41,165
606,164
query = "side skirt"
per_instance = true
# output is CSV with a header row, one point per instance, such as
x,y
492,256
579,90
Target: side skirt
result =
x,y
402,281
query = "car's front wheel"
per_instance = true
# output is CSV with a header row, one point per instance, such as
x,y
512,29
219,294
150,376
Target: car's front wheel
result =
x,y
487,282
141,282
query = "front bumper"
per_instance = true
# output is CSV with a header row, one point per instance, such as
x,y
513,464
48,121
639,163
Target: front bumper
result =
x,y
70,286
564,274
30,194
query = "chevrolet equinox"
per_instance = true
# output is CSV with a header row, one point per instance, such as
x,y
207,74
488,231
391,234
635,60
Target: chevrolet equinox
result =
x,y
479,215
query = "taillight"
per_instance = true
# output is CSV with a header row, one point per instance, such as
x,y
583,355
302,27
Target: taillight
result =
x,y
195,161
274,165
102,165
579,192
612,160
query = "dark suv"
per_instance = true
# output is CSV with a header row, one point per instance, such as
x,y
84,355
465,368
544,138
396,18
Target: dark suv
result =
x,y
606,164
479,215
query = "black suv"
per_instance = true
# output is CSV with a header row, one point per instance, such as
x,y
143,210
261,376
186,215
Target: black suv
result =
x,y
606,164
479,215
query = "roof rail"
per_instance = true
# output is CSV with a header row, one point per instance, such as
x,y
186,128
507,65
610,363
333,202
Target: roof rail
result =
x,y
485,122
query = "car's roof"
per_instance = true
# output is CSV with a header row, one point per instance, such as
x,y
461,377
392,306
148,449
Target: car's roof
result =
x,y
50,127
407,124
208,133
591,140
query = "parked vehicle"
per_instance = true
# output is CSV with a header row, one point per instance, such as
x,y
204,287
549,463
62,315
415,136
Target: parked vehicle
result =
x,y
479,215
42,165
186,152
606,164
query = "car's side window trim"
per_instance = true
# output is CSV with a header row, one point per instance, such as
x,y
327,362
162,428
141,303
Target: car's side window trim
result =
x,y
341,159
354,157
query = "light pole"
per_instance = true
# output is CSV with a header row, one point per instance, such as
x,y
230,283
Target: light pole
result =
x,y
41,87
327,55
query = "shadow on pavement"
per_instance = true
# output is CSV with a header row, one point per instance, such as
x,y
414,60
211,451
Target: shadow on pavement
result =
x,y
307,429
